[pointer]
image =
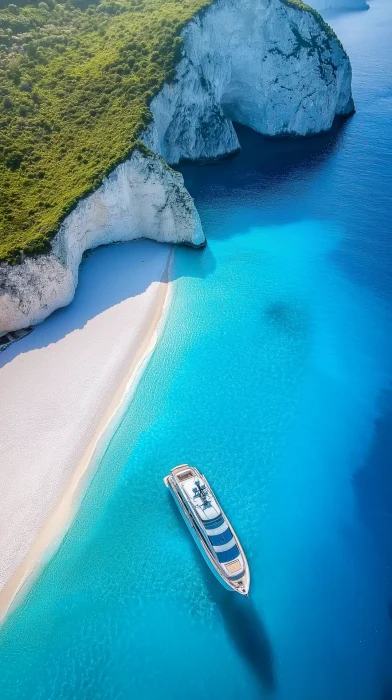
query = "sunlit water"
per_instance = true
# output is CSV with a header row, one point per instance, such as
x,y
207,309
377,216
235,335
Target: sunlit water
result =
x,y
272,376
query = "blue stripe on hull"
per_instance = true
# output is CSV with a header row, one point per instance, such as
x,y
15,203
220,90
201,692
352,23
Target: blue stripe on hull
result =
x,y
234,552
212,524
230,554
223,538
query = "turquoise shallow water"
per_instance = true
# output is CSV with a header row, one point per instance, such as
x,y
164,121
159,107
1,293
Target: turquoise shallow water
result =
x,y
273,376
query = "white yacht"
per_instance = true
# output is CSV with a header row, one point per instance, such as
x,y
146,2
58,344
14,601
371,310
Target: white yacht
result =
x,y
210,527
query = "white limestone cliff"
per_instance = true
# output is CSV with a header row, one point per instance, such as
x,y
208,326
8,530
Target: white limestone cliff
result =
x,y
142,198
263,63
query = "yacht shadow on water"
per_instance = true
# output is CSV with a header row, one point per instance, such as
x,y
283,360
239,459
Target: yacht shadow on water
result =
x,y
246,630
241,620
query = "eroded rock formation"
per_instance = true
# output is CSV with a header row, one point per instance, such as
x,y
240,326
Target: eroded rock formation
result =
x,y
267,64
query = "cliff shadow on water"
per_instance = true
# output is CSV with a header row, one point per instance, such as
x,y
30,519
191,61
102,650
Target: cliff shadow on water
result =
x,y
332,13
241,619
257,177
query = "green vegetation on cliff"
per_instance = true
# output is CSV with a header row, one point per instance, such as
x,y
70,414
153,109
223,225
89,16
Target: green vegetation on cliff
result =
x,y
75,82
76,79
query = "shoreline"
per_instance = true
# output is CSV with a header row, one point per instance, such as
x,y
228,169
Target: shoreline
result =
x,y
56,526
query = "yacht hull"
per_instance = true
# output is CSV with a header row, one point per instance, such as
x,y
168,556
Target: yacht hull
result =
x,y
196,538
238,582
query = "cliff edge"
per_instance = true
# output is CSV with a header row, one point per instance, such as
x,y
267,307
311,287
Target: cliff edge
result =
x,y
272,65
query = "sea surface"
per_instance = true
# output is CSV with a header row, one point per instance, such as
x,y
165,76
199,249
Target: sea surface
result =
x,y
273,376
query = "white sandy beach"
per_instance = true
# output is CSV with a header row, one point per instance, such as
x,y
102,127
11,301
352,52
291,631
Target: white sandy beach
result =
x,y
59,389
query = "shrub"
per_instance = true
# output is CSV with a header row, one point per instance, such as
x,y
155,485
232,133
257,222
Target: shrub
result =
x,y
32,49
7,102
14,161
25,86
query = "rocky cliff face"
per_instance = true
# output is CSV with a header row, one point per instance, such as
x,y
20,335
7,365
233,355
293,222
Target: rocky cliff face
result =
x,y
142,198
263,63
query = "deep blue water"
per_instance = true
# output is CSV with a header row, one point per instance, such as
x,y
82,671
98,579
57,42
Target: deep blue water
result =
x,y
273,375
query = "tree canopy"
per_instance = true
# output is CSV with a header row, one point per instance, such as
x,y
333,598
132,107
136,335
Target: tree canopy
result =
x,y
76,79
